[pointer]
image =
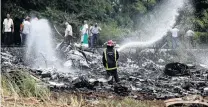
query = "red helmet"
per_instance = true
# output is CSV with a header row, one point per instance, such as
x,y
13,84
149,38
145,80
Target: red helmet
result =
x,y
110,43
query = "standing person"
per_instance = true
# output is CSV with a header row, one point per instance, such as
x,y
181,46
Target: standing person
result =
x,y
21,29
110,58
95,32
175,38
85,29
68,33
26,30
17,38
90,35
8,29
189,37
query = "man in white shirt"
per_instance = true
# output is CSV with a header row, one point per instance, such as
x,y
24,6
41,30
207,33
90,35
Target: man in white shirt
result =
x,y
189,33
8,29
189,38
68,33
175,41
95,32
26,30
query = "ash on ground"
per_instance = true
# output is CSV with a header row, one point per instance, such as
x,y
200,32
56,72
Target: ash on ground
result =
x,y
147,73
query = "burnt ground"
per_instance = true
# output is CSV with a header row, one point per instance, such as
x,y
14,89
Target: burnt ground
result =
x,y
141,72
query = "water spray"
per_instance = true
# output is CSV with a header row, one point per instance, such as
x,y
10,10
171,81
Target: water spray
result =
x,y
156,24
40,42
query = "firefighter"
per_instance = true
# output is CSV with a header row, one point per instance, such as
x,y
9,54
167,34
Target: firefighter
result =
x,y
110,58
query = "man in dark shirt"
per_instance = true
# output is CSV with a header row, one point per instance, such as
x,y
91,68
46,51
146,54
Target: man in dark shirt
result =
x,y
110,58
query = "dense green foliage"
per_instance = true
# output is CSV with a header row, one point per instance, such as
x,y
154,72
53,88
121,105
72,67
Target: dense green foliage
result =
x,y
201,14
201,20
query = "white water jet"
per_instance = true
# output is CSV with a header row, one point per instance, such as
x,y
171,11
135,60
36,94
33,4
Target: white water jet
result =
x,y
40,52
156,24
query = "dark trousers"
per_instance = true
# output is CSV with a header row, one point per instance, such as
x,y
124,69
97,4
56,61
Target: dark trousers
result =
x,y
24,39
7,38
93,40
114,74
68,39
89,41
17,38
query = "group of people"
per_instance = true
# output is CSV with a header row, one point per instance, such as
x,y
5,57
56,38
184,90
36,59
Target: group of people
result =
x,y
8,30
188,38
89,35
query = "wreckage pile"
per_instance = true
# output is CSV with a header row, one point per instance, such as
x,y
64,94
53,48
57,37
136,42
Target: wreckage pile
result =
x,y
148,73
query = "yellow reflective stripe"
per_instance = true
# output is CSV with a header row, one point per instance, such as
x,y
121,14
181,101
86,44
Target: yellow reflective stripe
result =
x,y
111,68
106,58
105,54
115,57
115,54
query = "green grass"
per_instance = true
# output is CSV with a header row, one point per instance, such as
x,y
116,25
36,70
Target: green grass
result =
x,y
22,84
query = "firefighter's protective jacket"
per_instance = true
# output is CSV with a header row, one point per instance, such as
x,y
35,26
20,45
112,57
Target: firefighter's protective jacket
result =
x,y
110,57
